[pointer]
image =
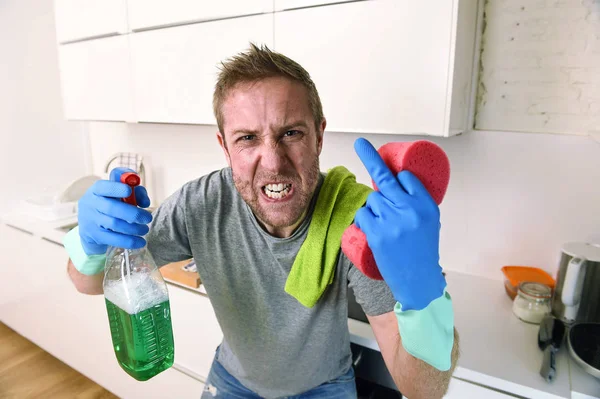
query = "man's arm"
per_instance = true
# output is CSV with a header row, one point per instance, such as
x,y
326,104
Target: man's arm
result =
x,y
413,377
91,285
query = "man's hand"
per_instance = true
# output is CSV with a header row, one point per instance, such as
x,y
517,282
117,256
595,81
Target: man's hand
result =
x,y
402,225
104,219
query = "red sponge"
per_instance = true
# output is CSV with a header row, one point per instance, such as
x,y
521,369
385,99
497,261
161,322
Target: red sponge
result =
x,y
424,159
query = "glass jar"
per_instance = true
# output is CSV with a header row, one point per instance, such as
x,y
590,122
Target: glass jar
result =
x,y
532,302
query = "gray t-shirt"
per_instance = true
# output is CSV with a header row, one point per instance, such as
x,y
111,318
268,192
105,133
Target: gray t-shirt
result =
x,y
272,344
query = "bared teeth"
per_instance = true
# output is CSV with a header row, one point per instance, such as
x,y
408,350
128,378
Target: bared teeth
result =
x,y
277,190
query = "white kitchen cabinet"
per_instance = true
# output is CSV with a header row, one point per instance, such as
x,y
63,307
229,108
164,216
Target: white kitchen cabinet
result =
x,y
28,264
74,328
459,389
196,331
147,14
85,325
46,308
84,19
386,66
175,69
95,78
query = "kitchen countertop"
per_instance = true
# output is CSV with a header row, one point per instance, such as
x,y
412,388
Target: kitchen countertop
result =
x,y
497,349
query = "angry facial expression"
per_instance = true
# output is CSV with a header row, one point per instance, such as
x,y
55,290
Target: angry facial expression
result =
x,y
272,146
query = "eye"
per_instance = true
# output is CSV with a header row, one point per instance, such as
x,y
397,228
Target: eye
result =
x,y
291,133
248,137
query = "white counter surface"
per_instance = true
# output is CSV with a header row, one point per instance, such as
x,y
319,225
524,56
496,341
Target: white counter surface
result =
x,y
497,349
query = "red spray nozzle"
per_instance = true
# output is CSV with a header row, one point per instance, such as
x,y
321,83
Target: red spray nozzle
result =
x,y
132,180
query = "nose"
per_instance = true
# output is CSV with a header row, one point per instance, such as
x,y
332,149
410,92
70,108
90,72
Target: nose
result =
x,y
273,157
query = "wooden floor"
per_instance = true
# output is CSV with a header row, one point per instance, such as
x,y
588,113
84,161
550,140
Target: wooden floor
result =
x,y
26,371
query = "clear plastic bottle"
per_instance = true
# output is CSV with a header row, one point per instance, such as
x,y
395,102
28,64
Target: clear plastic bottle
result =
x,y
137,302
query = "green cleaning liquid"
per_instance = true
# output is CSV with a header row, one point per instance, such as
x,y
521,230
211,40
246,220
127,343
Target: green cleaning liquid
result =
x,y
142,339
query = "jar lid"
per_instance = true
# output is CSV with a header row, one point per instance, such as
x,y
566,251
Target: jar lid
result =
x,y
535,290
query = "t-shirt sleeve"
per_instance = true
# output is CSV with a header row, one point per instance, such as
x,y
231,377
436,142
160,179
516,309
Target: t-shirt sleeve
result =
x,y
168,237
374,296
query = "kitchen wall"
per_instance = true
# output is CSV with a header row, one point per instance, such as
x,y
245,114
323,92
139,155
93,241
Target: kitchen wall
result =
x,y
514,198
540,68
38,149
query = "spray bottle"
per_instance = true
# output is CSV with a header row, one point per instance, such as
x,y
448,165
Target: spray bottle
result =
x,y
137,302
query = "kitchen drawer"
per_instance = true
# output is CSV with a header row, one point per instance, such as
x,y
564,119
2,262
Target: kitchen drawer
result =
x,y
195,330
28,264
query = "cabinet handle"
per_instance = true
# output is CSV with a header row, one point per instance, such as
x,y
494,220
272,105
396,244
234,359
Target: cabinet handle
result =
x,y
19,229
85,39
52,242
510,394
189,373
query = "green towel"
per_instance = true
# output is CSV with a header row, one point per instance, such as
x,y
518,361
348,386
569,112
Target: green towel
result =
x,y
314,267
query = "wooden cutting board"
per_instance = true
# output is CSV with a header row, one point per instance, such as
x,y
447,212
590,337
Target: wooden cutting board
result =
x,y
175,272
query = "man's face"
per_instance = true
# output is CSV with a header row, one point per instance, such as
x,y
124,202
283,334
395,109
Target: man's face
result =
x,y
273,149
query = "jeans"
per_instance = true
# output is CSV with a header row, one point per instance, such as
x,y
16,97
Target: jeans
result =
x,y
222,385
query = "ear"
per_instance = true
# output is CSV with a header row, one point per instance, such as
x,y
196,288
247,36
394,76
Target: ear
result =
x,y
320,136
224,147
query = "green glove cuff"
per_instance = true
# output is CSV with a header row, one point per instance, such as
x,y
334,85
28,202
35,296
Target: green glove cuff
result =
x,y
84,263
428,334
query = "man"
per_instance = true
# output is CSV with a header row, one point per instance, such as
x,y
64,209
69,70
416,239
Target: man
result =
x,y
245,224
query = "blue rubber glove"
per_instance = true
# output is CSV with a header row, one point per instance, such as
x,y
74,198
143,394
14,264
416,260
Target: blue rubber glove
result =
x,y
105,220
402,225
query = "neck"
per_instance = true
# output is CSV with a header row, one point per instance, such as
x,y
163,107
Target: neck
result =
x,y
282,232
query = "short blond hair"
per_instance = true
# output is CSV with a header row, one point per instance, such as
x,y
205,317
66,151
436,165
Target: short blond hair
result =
x,y
260,63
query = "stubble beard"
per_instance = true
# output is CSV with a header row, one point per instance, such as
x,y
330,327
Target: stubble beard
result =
x,y
280,215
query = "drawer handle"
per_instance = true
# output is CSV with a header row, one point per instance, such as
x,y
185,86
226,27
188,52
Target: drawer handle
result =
x,y
189,373
53,242
19,229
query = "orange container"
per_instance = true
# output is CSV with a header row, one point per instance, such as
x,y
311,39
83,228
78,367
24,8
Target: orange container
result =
x,y
514,275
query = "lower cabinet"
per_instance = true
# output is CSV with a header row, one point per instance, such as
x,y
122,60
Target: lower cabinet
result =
x,y
196,331
74,328
28,265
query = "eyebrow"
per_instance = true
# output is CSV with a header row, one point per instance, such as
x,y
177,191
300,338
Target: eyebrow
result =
x,y
295,124
285,127
244,132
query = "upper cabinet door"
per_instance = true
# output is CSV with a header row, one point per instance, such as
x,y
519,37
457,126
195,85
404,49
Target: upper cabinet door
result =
x,y
95,76
292,4
175,69
145,14
84,19
381,66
